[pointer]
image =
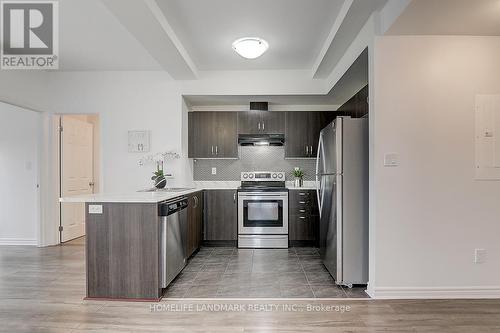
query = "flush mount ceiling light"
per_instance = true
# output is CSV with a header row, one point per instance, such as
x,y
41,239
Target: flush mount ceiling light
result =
x,y
250,47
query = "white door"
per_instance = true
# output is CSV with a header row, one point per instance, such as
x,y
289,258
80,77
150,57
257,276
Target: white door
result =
x,y
76,173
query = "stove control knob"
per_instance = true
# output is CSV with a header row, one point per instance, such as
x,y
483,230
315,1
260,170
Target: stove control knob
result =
x,y
280,175
245,175
275,175
250,176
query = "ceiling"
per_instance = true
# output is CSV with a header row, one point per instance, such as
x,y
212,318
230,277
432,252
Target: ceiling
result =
x,y
102,45
187,38
294,29
449,17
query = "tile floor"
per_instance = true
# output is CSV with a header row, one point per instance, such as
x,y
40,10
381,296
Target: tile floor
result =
x,y
226,272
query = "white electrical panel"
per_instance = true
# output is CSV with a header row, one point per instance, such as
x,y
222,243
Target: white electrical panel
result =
x,y
138,141
487,137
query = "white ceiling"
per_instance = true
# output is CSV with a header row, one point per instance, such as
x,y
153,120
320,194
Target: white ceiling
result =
x,y
354,20
449,17
186,37
92,39
295,30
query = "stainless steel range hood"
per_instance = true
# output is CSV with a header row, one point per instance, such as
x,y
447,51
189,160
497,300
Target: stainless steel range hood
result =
x,y
261,139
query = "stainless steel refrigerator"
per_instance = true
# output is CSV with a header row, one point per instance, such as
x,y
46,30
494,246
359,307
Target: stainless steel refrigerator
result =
x,y
342,190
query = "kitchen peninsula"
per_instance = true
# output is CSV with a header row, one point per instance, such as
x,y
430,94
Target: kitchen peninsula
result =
x,y
124,236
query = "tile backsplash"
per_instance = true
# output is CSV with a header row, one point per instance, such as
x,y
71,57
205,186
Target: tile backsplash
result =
x,y
252,159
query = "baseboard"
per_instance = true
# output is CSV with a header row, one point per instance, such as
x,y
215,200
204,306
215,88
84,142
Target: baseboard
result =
x,y
434,292
18,241
221,243
295,243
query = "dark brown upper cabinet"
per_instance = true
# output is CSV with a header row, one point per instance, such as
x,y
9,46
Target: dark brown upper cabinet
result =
x,y
261,122
213,135
302,132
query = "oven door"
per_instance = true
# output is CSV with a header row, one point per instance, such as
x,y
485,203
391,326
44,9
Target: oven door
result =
x,y
262,213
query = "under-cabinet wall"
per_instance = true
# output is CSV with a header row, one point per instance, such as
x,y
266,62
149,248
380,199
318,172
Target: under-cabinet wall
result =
x,y
251,159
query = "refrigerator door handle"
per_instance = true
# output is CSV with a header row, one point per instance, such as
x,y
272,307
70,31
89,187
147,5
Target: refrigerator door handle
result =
x,y
318,176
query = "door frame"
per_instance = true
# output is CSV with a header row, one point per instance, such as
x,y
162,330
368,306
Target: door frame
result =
x,y
49,233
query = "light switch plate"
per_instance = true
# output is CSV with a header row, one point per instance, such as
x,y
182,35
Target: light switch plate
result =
x,y
391,159
214,171
95,209
479,256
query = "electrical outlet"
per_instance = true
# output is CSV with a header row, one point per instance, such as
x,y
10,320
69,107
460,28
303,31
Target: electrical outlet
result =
x,y
95,209
214,171
479,256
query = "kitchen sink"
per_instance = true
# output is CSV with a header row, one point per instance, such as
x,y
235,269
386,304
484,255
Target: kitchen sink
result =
x,y
170,189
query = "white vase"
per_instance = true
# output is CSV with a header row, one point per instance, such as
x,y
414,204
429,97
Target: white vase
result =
x,y
298,182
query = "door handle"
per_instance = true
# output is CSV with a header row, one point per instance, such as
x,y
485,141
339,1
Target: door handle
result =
x,y
259,125
216,150
307,150
263,126
212,150
318,178
311,150
91,184
234,196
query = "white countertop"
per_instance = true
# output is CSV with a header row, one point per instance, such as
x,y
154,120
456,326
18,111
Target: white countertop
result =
x,y
158,196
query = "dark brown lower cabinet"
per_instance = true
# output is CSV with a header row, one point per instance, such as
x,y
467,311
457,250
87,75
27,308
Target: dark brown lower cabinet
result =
x,y
194,223
303,219
221,222
122,251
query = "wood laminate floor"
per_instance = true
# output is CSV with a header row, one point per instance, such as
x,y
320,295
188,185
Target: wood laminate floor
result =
x,y
42,290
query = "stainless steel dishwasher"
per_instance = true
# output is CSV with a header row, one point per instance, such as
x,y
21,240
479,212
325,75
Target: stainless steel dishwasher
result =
x,y
173,219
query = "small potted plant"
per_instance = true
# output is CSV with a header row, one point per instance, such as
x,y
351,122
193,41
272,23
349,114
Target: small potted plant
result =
x,y
299,175
158,176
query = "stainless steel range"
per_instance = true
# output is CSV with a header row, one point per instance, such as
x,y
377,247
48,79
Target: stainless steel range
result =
x,y
262,210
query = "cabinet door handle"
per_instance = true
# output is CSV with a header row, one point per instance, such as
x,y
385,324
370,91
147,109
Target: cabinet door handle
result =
x,y
302,193
195,202
307,150
302,217
234,196
263,126
302,202
302,210
311,150
259,126
212,150
216,150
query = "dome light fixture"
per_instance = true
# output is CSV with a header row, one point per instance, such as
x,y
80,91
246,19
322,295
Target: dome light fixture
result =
x,y
250,47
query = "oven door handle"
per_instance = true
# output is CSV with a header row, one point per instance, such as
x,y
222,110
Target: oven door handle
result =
x,y
262,194
262,197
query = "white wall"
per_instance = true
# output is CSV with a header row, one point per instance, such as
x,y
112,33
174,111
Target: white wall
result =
x,y
430,212
19,133
124,101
